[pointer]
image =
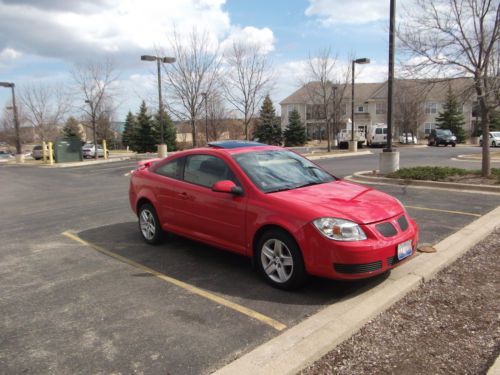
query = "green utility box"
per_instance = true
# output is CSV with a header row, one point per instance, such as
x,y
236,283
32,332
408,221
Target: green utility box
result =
x,y
68,150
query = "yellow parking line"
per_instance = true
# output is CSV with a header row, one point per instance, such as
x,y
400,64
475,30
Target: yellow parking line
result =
x,y
221,301
445,211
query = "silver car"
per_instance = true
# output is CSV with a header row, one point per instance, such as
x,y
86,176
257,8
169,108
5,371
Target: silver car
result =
x,y
494,139
88,151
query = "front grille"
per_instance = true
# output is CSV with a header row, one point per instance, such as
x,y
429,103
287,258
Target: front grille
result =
x,y
403,223
357,268
391,261
386,229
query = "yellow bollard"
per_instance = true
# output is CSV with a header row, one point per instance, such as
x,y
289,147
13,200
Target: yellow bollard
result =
x,y
44,152
104,149
51,157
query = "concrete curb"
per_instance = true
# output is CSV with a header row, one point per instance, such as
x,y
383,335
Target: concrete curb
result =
x,y
85,163
309,340
338,155
495,369
363,177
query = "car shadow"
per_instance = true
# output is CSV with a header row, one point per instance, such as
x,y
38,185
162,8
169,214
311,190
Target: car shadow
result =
x,y
222,272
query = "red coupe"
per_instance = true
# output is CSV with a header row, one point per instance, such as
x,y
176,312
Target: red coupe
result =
x,y
272,204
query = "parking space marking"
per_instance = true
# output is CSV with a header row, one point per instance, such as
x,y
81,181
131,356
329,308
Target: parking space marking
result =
x,y
445,211
181,284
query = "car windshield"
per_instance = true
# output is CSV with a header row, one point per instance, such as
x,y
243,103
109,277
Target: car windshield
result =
x,y
278,170
495,134
444,132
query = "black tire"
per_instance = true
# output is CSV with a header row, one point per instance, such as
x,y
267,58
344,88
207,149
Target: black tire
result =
x,y
453,144
152,233
295,272
493,144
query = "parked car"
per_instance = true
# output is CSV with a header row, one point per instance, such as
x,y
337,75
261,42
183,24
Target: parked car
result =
x,y
37,152
494,139
5,156
442,137
268,203
408,139
88,151
376,135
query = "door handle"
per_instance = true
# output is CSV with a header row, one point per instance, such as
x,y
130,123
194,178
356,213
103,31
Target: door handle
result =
x,y
183,195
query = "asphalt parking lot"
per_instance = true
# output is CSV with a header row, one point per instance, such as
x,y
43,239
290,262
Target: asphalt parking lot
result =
x,y
83,293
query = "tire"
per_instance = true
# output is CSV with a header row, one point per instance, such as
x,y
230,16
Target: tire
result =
x,y
453,144
279,260
149,225
493,144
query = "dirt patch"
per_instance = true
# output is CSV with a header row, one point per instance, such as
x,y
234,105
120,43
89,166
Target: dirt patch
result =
x,y
472,179
450,325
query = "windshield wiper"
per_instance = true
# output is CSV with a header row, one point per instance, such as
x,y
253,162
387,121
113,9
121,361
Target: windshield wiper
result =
x,y
309,184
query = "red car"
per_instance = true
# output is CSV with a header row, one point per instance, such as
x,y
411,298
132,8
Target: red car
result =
x,y
269,203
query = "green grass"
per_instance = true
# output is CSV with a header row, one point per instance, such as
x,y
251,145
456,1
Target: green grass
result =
x,y
438,173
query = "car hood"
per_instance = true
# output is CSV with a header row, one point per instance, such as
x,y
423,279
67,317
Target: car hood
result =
x,y
344,200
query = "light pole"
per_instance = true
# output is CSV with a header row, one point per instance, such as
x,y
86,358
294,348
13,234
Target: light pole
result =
x,y
162,148
94,130
334,127
19,154
353,146
204,95
389,159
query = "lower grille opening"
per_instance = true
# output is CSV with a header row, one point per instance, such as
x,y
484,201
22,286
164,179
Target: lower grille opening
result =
x,y
357,268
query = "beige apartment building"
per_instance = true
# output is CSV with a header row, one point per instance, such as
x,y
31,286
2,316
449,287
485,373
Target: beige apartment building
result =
x,y
420,101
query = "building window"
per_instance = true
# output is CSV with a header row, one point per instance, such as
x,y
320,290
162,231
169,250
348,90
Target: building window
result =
x,y
343,109
428,126
360,109
292,107
315,112
430,107
381,109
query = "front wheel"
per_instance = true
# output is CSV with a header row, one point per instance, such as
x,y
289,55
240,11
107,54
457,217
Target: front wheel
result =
x,y
149,225
453,144
280,260
493,144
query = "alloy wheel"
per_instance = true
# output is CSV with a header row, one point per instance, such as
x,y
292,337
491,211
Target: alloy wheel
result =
x,y
148,224
277,261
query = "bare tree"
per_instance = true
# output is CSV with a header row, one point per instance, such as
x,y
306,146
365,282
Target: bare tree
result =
x,y
460,38
247,80
329,83
195,71
94,81
409,105
217,115
45,107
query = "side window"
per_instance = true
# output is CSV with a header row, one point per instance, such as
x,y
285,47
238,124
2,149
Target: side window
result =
x,y
206,170
172,169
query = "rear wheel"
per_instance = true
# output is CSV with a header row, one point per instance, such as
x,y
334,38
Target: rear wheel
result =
x,y
280,260
149,225
493,144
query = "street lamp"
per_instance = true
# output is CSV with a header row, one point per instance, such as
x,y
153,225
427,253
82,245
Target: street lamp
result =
x,y
19,154
162,148
364,60
204,96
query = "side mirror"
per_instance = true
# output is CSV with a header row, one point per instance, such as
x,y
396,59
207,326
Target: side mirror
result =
x,y
227,186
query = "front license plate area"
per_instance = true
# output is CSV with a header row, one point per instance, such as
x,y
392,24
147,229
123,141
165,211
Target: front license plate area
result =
x,y
404,249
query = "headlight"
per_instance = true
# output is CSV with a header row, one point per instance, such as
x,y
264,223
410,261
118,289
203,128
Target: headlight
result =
x,y
453,138
339,229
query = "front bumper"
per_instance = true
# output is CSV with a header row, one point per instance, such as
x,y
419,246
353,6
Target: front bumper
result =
x,y
359,259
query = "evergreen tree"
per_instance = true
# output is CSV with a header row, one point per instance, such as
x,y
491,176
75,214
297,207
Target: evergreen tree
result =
x,y
268,129
295,133
451,117
169,131
72,129
145,140
495,121
130,131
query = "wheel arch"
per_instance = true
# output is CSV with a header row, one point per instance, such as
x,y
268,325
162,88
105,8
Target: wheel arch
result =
x,y
265,228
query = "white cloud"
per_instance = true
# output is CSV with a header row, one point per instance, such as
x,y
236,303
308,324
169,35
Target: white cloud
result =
x,y
121,27
348,12
263,38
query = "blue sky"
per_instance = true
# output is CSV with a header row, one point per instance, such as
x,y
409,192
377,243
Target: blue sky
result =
x,y
40,40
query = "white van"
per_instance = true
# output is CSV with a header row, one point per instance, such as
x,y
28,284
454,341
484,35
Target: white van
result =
x,y
376,135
